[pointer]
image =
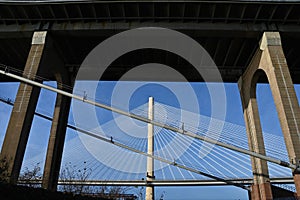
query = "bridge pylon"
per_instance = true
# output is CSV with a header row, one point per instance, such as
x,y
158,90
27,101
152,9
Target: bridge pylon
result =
x,y
150,161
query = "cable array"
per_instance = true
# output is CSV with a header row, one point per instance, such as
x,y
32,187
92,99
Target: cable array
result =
x,y
195,154
219,161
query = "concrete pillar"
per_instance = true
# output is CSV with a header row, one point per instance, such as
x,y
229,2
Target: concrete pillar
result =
x,y
60,118
270,60
286,102
150,161
17,133
56,142
261,188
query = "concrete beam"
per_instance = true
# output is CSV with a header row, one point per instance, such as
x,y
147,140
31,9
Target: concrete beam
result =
x,y
245,30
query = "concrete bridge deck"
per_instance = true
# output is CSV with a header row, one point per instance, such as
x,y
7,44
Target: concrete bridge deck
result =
x,y
228,30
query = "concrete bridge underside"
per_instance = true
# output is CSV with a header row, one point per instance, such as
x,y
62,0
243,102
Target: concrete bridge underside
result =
x,y
229,31
245,39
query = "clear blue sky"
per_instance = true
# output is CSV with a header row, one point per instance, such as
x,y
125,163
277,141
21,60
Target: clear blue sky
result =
x,y
40,129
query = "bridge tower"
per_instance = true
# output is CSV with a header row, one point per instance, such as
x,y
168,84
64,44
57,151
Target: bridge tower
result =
x,y
150,160
270,60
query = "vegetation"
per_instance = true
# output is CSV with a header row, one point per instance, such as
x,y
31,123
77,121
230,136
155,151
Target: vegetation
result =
x,y
32,177
3,170
140,191
70,173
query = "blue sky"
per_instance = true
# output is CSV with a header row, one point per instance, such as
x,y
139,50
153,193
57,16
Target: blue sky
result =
x,y
40,128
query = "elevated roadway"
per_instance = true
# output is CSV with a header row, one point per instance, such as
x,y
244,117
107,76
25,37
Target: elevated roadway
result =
x,y
228,30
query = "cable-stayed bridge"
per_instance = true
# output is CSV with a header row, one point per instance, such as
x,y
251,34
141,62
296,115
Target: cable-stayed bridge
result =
x,y
214,160
210,159
118,166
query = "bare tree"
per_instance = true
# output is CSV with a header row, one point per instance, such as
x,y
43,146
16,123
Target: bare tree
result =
x,y
31,177
71,173
140,193
162,195
112,192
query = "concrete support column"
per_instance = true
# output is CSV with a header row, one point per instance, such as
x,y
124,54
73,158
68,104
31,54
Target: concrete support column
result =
x,y
261,188
285,99
270,60
17,133
60,118
56,142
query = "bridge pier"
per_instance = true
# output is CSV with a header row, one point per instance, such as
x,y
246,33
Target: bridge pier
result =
x,y
56,142
261,189
17,133
42,59
59,121
270,60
